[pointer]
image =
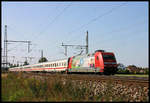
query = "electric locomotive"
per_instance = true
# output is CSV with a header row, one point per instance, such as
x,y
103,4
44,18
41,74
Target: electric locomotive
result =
x,y
98,62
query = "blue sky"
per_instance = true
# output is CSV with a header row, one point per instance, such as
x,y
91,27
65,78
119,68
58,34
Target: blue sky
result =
x,y
119,27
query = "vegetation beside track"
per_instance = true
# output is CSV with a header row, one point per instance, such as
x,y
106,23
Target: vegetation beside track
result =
x,y
16,87
136,75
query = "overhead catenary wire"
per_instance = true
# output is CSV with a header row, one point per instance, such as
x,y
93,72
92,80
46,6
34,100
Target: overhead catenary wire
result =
x,y
57,16
50,23
35,37
96,18
23,37
19,43
123,29
44,29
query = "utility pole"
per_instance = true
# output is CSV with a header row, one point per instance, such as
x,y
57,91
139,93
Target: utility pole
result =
x,y
26,58
31,59
41,53
13,58
29,43
6,42
87,43
81,46
65,49
5,48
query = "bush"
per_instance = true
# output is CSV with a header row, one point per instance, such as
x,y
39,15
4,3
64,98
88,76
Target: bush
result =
x,y
123,71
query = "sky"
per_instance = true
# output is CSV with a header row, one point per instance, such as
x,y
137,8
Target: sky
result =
x,y
118,27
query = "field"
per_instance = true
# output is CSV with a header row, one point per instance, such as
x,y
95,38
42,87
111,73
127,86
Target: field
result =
x,y
16,87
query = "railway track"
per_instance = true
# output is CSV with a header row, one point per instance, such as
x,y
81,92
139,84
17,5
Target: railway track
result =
x,y
92,77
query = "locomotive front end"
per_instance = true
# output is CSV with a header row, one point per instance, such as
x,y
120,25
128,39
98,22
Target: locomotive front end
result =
x,y
106,62
110,64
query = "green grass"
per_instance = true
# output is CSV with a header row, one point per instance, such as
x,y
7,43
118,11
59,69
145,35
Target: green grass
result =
x,y
137,75
17,88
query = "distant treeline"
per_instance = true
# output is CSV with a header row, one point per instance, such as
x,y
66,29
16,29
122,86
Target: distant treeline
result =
x,y
132,69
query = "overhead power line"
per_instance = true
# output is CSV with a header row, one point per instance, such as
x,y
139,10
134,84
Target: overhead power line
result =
x,y
98,17
57,16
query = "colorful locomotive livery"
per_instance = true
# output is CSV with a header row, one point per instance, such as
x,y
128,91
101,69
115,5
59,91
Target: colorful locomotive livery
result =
x,y
98,62
83,63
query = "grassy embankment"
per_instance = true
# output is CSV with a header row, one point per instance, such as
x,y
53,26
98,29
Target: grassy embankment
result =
x,y
136,75
15,87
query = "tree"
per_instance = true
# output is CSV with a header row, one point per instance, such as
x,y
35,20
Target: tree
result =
x,y
133,69
26,63
17,65
11,65
43,59
121,66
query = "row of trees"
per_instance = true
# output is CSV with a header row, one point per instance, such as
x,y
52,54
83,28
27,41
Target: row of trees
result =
x,y
131,69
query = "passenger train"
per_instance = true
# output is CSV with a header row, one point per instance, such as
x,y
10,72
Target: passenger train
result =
x,y
100,62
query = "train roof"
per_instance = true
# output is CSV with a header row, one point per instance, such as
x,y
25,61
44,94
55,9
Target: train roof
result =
x,y
42,63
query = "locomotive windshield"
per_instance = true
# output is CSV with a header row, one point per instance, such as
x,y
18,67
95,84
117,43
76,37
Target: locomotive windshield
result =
x,y
108,57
